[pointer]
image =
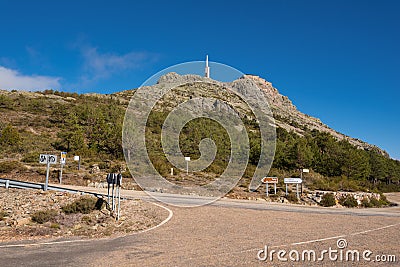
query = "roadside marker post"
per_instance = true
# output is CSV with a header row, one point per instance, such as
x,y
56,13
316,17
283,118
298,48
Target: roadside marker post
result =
x,y
47,159
63,160
187,159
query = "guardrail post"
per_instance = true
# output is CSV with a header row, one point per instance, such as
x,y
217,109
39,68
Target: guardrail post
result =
x,y
7,184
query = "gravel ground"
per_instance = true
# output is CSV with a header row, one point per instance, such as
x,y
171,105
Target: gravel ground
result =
x,y
18,205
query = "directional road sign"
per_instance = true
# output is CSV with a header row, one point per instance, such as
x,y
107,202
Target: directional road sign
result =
x,y
292,180
270,180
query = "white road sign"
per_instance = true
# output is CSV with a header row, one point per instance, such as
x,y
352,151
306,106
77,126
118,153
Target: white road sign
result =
x,y
187,158
292,180
44,159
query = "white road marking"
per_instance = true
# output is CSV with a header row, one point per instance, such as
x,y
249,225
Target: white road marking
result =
x,y
324,239
297,243
342,236
160,224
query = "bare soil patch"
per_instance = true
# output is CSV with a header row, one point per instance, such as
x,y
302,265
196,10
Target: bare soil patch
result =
x,y
17,207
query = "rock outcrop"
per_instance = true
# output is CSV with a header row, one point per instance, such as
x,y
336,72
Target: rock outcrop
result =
x,y
286,114
289,117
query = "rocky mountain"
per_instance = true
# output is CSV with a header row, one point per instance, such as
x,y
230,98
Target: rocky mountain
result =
x,y
90,125
290,118
286,114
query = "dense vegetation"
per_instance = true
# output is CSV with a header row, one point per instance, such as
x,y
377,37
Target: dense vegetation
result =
x,y
91,126
342,166
87,125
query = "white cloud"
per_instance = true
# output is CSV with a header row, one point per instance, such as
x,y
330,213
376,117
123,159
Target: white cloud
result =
x,y
97,65
11,79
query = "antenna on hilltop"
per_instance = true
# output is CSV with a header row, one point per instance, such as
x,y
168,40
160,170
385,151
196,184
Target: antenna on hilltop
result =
x,y
207,69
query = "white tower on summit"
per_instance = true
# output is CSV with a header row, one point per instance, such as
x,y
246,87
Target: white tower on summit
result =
x,y
207,70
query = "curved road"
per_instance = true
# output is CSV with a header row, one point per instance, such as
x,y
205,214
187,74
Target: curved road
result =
x,y
225,233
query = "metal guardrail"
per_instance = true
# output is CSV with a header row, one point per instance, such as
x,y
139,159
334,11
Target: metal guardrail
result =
x,y
8,183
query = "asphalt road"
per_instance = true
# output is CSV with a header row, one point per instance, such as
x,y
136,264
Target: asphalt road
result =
x,y
225,233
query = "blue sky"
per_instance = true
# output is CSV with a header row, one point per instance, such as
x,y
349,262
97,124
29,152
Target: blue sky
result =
x,y
336,60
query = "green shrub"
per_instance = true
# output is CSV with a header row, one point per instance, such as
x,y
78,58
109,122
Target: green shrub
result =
x,y
328,200
366,203
292,197
9,136
31,157
43,216
104,165
55,226
5,102
348,201
383,200
9,166
83,205
3,214
375,202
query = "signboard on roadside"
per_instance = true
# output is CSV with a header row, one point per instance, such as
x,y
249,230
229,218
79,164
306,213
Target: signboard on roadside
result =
x,y
292,180
270,180
63,158
47,159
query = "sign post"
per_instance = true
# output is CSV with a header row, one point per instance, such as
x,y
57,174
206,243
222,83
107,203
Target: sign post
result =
x,y
301,176
187,159
115,180
47,159
63,160
269,180
296,181
78,159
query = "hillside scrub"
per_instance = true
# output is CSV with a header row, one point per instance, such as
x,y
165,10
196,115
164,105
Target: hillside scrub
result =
x,y
9,166
91,126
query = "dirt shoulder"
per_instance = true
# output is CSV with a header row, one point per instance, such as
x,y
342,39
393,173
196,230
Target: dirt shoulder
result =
x,y
17,206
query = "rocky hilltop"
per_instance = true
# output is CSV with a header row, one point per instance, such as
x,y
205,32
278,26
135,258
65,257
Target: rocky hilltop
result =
x,y
289,117
286,114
